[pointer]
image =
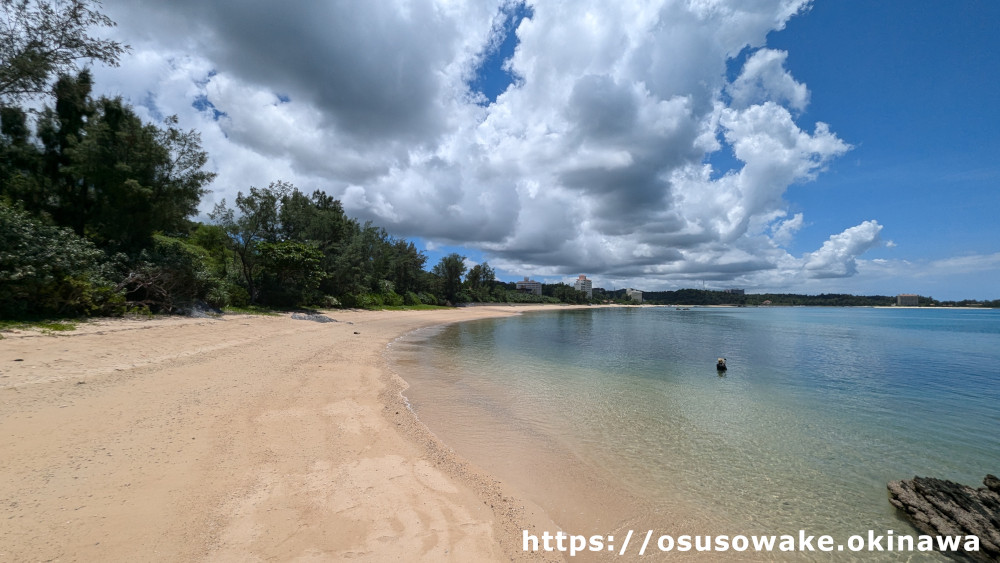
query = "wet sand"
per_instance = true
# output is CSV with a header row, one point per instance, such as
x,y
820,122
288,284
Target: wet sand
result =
x,y
236,439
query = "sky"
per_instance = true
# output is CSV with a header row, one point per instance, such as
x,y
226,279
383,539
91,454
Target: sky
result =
x,y
841,146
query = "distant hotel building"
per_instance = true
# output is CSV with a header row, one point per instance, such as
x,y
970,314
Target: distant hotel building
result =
x,y
584,285
634,295
529,286
907,300
734,291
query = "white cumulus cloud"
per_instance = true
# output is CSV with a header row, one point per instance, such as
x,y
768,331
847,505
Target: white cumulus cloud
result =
x,y
594,160
837,257
764,78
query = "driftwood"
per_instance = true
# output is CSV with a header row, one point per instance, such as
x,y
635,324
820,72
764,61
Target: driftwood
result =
x,y
944,508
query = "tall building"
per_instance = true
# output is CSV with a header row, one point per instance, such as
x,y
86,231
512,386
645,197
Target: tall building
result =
x,y
529,286
584,285
907,300
634,295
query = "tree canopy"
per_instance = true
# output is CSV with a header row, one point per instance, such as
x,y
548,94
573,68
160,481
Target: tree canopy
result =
x,y
99,170
449,271
40,39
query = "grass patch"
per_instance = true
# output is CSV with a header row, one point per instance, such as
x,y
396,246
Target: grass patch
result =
x,y
56,326
46,326
252,310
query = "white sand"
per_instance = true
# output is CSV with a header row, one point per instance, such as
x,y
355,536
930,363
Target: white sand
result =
x,y
244,438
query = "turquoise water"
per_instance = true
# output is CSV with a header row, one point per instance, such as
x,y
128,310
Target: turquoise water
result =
x,y
820,408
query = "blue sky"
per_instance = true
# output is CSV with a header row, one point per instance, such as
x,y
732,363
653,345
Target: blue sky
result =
x,y
910,86
785,145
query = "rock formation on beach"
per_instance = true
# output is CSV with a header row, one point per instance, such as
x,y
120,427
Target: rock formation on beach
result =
x,y
313,317
944,508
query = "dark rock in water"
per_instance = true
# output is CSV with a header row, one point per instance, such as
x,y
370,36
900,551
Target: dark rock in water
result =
x,y
943,508
312,317
992,483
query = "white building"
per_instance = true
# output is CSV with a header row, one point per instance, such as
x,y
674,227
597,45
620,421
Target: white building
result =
x,y
584,285
907,300
529,286
634,295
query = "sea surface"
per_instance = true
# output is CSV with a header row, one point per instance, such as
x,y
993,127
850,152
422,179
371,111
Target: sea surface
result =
x,y
616,418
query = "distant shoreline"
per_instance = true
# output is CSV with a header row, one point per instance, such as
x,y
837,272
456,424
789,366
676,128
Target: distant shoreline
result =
x,y
734,306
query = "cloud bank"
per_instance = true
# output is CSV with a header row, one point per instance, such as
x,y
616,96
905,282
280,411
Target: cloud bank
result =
x,y
596,158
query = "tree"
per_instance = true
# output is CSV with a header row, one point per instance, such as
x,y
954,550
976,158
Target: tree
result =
x,y
214,240
256,223
42,38
59,128
20,160
111,177
480,280
449,271
320,221
406,266
290,272
564,293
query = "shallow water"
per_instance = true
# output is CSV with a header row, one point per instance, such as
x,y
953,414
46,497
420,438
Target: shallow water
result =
x,y
617,417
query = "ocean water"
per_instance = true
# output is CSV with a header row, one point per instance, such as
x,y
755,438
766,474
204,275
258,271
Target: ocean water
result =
x,y
616,418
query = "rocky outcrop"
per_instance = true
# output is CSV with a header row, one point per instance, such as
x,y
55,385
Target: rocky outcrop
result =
x,y
943,508
313,317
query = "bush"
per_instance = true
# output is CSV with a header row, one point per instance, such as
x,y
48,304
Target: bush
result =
x,y
361,301
393,299
170,276
371,300
227,294
518,297
238,295
329,302
46,270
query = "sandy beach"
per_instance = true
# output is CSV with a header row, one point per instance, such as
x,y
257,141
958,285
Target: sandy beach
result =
x,y
242,438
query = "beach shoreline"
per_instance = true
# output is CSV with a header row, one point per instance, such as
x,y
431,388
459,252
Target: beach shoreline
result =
x,y
238,438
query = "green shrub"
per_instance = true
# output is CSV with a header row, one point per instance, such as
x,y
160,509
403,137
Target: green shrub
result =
x,y
392,299
227,294
46,270
171,275
236,294
329,302
362,301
